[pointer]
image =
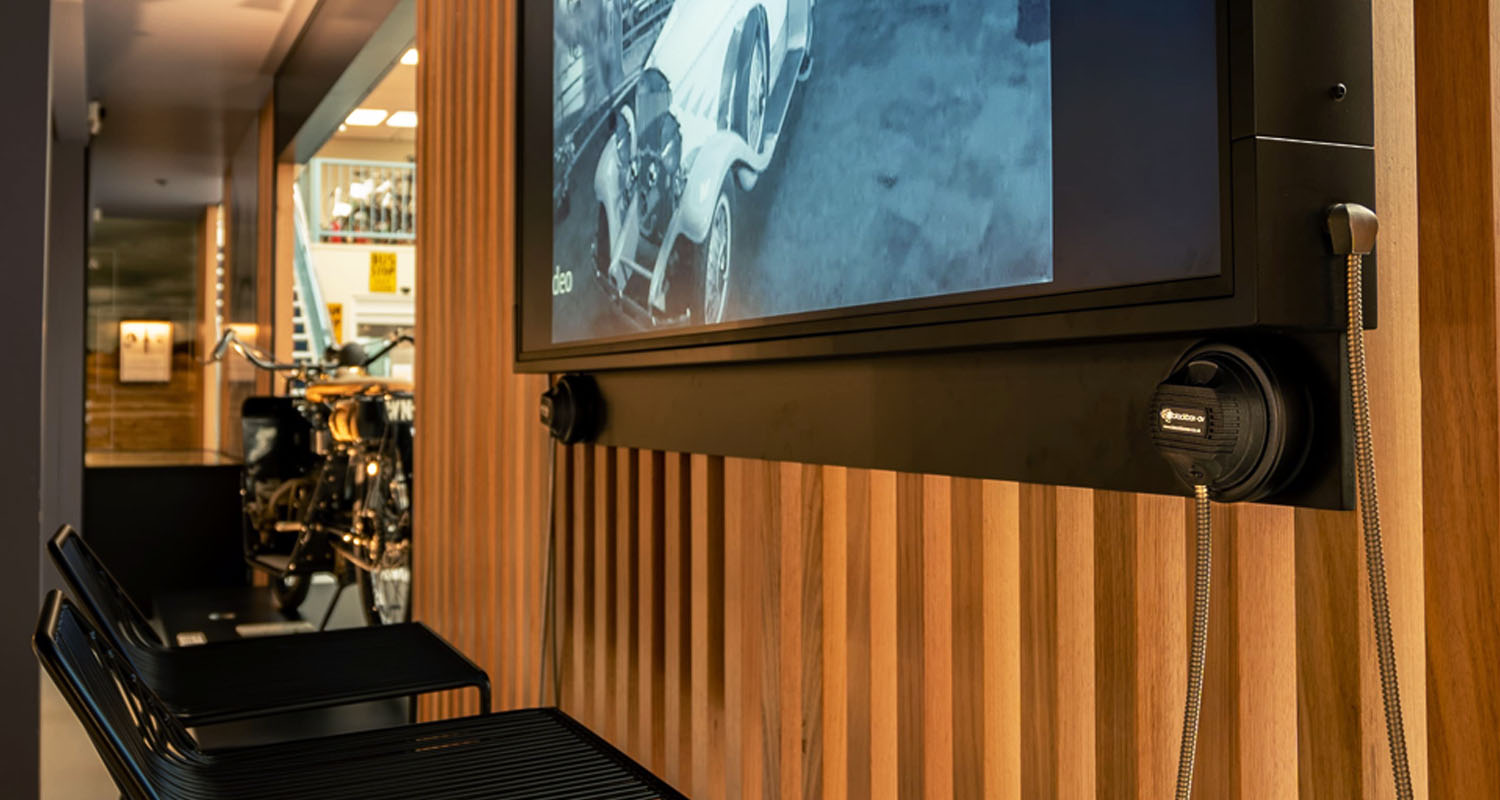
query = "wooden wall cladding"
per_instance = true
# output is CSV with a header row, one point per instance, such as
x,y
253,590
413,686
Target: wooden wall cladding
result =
x,y
139,417
1456,77
754,629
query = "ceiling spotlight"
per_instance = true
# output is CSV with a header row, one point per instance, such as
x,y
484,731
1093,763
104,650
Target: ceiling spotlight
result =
x,y
366,117
409,58
403,119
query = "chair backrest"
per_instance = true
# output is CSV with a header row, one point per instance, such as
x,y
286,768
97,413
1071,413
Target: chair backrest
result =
x,y
134,734
103,598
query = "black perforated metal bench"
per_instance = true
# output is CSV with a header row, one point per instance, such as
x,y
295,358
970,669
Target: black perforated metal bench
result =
x,y
228,681
538,753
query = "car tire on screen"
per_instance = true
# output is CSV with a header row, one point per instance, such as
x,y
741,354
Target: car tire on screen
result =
x,y
752,87
698,275
718,255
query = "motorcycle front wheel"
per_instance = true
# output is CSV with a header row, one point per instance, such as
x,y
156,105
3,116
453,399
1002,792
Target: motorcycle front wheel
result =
x,y
385,592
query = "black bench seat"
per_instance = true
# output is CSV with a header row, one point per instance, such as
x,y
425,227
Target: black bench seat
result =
x,y
533,753
229,681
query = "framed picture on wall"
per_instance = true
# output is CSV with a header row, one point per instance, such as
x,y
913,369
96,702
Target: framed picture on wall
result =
x,y
145,351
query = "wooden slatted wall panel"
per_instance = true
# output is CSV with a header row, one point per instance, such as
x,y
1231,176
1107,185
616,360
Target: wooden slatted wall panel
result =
x,y
1458,59
754,629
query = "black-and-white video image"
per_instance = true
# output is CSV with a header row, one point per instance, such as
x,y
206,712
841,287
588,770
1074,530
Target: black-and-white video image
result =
x,y
719,161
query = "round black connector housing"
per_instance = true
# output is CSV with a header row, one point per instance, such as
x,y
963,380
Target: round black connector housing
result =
x,y
573,409
1225,419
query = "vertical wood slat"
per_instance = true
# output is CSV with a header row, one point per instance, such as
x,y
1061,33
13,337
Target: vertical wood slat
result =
x,y
1395,357
1218,765
1141,638
802,726
1265,593
1457,166
1003,686
835,605
651,714
677,600
859,709
901,620
740,644
884,696
910,623
937,637
708,635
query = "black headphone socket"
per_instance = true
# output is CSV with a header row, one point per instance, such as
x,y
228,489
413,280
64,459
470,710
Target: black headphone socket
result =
x,y
573,409
1229,420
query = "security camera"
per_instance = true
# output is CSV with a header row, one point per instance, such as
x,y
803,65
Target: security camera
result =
x,y
97,113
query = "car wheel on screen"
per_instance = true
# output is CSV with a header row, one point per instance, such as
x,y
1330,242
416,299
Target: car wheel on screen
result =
x,y
752,86
718,255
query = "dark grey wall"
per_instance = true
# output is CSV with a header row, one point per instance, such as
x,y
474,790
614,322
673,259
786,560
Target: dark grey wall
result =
x,y
63,350
24,146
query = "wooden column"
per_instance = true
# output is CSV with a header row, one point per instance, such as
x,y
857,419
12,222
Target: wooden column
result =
x,y
265,240
208,331
1460,433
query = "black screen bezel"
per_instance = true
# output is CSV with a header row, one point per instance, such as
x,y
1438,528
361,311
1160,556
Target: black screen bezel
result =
x,y
983,318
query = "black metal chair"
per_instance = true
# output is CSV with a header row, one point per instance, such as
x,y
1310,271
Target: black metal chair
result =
x,y
228,681
534,753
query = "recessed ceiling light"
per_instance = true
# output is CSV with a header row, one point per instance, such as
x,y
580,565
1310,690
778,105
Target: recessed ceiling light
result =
x,y
366,117
403,119
343,127
409,58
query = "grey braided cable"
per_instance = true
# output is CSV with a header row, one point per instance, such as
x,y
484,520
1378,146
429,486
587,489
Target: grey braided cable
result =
x,y
549,602
1198,654
1369,508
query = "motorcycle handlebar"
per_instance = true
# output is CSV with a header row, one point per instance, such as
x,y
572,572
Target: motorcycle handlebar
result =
x,y
230,340
404,338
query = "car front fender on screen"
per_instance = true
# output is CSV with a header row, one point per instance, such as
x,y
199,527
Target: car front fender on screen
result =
x,y
721,153
607,185
607,190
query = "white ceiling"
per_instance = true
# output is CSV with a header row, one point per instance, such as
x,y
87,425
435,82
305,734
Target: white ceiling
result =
x,y
180,81
397,91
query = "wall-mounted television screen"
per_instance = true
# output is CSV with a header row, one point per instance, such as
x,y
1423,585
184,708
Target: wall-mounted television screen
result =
x,y
803,207
733,166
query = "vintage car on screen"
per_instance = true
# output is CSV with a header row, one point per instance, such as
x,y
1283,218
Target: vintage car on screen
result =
x,y
706,118
599,49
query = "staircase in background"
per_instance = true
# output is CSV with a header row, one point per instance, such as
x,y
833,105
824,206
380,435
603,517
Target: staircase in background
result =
x,y
301,341
312,330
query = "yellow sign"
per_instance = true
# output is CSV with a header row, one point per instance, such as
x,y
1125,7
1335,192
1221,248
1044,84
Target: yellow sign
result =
x,y
383,272
336,321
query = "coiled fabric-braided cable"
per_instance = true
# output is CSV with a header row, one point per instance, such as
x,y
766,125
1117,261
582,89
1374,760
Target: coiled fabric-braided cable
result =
x,y
1369,509
1197,655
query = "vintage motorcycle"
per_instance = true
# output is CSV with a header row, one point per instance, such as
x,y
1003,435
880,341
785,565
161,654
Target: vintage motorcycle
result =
x,y
327,479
